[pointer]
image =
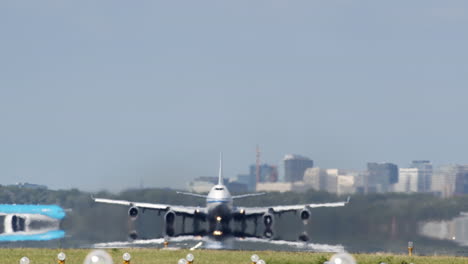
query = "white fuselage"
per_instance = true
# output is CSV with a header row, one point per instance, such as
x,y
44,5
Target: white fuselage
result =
x,y
219,201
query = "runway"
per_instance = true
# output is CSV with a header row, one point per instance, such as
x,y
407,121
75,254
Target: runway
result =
x,y
188,242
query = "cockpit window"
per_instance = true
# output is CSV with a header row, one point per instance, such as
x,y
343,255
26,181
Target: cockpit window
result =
x,y
219,188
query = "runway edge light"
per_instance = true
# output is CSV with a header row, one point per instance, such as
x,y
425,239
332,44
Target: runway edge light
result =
x,y
98,256
126,257
190,258
342,258
166,242
24,260
410,248
182,261
61,258
254,258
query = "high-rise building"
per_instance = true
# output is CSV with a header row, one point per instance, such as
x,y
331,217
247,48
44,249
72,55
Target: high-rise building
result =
x,y
461,180
298,187
248,180
330,180
346,184
408,180
360,181
424,174
268,173
295,166
316,178
381,176
443,180
450,180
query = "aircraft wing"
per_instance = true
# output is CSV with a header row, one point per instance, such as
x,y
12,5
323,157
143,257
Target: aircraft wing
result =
x,y
189,210
247,195
193,194
288,208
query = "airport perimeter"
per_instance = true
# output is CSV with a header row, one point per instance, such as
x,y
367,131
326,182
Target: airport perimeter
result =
x,y
158,256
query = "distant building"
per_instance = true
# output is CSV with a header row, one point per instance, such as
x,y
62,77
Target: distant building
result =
x,y
444,179
330,180
267,173
346,184
282,187
360,181
27,185
295,166
237,187
381,176
424,174
202,184
248,180
408,180
461,180
316,178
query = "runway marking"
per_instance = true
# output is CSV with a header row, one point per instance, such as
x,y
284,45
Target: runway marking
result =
x,y
300,245
196,246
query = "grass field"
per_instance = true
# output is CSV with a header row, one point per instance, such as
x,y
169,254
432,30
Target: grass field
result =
x,y
156,256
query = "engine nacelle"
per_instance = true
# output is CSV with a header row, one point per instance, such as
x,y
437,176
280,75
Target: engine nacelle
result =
x,y
133,212
304,214
18,223
304,237
268,233
133,235
169,218
268,219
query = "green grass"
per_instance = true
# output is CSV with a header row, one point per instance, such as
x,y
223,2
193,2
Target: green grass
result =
x,y
157,256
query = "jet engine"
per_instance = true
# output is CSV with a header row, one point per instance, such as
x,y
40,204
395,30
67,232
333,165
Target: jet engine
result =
x,y
268,219
304,237
133,212
133,235
18,223
268,233
169,220
305,214
169,217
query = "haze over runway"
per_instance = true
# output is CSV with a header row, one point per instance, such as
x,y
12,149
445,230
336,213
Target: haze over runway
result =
x,y
104,94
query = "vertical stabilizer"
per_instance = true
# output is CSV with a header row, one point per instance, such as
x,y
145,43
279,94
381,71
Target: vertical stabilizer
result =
x,y
220,175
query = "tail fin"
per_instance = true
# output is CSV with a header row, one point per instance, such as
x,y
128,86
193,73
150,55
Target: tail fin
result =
x,y
220,175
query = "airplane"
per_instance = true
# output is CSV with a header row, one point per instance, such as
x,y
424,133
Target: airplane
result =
x,y
29,222
219,210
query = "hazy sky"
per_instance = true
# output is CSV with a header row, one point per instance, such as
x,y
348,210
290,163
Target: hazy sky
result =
x,y
103,94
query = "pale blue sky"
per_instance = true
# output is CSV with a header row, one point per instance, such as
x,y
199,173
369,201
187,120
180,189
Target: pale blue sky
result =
x,y
101,94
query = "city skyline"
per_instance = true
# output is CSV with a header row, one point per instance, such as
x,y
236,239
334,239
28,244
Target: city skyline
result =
x,y
105,95
281,177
